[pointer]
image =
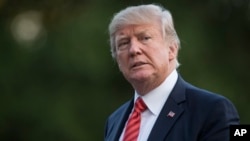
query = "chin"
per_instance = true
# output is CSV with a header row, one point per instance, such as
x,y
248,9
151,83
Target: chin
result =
x,y
140,76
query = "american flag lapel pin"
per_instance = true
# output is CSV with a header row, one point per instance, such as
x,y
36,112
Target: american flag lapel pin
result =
x,y
171,114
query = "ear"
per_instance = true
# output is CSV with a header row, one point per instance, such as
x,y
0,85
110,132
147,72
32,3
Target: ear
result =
x,y
173,51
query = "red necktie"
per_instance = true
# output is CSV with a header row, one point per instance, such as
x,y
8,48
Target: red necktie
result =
x,y
132,128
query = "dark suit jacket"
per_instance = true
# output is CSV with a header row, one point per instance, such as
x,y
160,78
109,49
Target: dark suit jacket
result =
x,y
199,116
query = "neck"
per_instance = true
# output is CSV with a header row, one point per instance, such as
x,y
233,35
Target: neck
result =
x,y
145,86
142,88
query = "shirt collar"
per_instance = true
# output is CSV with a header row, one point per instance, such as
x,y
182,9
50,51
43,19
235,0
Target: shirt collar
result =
x,y
156,98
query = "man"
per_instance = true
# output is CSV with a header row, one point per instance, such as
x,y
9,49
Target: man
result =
x,y
145,45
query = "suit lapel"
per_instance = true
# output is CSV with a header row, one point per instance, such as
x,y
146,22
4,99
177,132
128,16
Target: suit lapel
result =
x,y
170,112
119,123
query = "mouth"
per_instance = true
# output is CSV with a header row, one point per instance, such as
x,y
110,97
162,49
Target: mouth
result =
x,y
138,64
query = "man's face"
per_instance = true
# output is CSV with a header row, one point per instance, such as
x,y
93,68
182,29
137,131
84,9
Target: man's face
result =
x,y
143,54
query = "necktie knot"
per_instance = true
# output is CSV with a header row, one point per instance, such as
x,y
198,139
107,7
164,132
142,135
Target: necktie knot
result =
x,y
140,106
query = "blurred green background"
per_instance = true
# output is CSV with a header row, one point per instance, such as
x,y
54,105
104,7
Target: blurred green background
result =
x,y
58,81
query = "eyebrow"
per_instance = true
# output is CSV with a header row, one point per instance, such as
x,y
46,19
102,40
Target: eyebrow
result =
x,y
124,36
138,33
142,33
121,38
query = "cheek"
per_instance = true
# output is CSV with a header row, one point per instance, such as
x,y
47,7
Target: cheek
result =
x,y
122,58
162,60
163,55
121,64
119,60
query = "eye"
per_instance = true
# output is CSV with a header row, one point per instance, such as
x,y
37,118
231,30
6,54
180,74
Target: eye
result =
x,y
122,44
145,38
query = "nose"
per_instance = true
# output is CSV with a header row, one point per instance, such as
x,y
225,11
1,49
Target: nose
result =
x,y
135,48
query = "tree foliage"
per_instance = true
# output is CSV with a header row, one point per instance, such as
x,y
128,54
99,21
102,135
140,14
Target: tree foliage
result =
x,y
62,85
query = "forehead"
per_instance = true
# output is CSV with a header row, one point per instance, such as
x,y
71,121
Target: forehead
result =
x,y
138,29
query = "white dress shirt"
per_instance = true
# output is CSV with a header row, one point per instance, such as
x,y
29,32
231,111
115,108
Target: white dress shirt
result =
x,y
154,100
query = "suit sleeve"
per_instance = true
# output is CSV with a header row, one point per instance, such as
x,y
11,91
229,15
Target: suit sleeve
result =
x,y
221,116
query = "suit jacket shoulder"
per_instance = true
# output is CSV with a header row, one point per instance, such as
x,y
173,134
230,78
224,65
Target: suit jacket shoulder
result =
x,y
198,115
116,121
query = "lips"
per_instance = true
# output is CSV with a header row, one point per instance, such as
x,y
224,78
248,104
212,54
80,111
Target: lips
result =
x,y
137,64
